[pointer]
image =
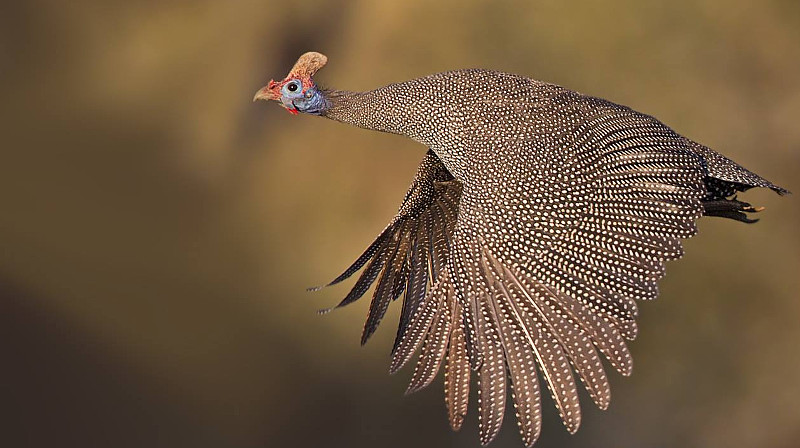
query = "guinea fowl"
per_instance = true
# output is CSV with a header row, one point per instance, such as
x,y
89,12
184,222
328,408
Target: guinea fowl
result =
x,y
537,218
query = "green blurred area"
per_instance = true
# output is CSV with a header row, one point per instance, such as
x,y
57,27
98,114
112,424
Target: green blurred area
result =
x,y
158,229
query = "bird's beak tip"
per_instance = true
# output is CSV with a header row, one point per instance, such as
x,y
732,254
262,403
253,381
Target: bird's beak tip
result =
x,y
265,93
261,94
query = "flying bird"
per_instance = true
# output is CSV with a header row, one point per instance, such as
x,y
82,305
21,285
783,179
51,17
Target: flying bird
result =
x,y
536,220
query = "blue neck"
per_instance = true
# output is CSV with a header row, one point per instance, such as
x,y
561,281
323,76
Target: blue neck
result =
x,y
313,102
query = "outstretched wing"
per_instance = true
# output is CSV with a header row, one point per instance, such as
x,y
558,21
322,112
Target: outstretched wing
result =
x,y
410,253
529,270
544,267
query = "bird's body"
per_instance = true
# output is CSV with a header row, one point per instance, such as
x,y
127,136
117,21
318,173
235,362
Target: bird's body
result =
x,y
536,219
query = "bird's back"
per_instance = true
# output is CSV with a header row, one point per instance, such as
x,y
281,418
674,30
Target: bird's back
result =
x,y
488,126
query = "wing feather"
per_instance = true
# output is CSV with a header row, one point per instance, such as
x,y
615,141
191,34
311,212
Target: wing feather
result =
x,y
521,281
416,283
491,374
384,292
456,370
433,349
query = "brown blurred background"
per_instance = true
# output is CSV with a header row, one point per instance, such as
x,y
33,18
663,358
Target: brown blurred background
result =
x,y
158,229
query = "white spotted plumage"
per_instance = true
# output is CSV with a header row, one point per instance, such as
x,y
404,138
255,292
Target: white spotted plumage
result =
x,y
535,221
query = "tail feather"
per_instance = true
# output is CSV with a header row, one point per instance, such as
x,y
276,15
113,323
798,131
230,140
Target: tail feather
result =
x,y
730,208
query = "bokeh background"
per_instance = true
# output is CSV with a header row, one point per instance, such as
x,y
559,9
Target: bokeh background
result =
x,y
157,229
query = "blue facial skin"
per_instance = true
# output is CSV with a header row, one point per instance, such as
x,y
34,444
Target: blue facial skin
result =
x,y
311,102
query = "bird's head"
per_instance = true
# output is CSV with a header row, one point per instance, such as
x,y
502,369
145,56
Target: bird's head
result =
x,y
297,92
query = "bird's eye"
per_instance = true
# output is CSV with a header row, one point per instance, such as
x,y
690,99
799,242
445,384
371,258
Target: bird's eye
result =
x,y
292,88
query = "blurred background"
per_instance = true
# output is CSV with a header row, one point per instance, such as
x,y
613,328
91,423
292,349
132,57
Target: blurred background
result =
x,y
158,228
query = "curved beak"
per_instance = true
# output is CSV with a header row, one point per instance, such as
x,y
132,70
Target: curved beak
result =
x,y
266,93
